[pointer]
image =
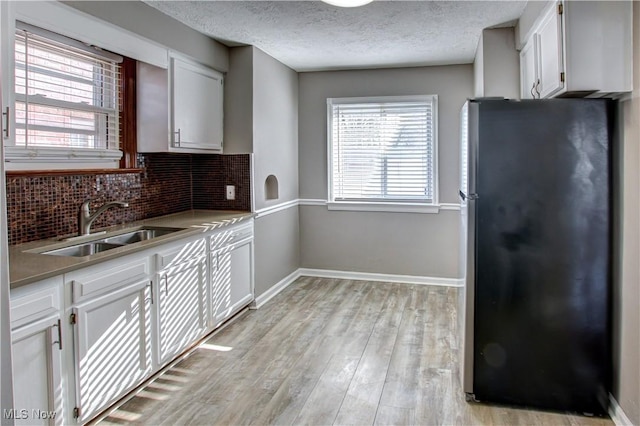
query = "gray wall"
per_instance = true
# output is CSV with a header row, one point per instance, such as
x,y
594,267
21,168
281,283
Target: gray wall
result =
x,y
496,67
277,248
393,243
275,128
150,23
423,245
627,247
238,102
501,63
261,117
478,70
275,147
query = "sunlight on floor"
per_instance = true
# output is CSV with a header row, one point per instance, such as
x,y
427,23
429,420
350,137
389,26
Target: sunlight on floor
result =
x,y
218,348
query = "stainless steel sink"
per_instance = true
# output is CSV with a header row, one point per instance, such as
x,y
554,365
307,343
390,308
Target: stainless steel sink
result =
x,y
86,249
108,243
142,234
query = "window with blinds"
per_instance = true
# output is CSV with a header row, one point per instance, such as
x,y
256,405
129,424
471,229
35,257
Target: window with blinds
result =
x,y
383,150
67,93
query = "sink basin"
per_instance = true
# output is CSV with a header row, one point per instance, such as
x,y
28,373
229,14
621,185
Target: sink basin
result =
x,y
108,243
86,249
143,234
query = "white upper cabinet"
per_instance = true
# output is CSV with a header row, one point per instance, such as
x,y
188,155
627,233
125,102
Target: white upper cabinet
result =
x,y
528,72
578,49
196,106
550,47
179,110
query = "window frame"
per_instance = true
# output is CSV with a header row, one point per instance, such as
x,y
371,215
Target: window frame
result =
x,y
27,157
391,205
69,22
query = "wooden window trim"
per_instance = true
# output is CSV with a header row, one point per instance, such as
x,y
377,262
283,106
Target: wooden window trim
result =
x,y
128,129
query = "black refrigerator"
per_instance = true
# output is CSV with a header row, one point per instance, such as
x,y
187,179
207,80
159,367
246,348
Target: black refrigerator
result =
x,y
536,208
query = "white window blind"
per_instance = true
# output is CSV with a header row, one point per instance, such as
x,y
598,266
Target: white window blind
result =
x,y
67,94
383,150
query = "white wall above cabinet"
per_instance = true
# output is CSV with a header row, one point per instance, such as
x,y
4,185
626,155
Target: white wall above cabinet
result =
x,y
180,110
577,49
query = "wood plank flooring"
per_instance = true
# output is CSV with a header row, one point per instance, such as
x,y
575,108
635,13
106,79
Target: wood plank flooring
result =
x,y
324,352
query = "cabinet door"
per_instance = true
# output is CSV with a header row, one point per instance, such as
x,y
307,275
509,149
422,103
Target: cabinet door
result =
x,y
528,72
231,280
182,307
241,274
37,383
197,95
550,54
112,346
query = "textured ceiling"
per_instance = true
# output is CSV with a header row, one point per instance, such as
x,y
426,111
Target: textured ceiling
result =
x,y
311,35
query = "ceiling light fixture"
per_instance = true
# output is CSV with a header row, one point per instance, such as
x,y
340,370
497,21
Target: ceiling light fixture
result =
x,y
347,3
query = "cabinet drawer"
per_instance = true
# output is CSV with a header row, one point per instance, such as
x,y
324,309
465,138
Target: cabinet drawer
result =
x,y
230,236
42,300
180,254
97,280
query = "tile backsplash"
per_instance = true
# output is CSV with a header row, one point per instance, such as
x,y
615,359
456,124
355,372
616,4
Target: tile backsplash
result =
x,y
212,173
47,206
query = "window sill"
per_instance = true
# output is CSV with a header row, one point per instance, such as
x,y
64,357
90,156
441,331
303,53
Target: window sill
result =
x,y
15,155
53,158
383,207
66,172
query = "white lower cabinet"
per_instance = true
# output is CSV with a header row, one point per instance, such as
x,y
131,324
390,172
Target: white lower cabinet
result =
x,y
37,346
231,275
112,347
112,331
182,298
83,340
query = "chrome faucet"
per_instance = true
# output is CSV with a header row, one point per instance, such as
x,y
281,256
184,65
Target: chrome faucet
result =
x,y
86,219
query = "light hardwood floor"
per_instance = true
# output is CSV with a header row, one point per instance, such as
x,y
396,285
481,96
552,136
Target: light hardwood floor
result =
x,y
326,352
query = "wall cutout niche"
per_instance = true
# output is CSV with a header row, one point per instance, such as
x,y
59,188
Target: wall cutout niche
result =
x,y
271,188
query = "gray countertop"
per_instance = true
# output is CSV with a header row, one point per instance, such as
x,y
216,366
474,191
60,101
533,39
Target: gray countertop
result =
x,y
27,266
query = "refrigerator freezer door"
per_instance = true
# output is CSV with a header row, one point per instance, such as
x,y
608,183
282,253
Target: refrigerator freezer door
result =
x,y
542,266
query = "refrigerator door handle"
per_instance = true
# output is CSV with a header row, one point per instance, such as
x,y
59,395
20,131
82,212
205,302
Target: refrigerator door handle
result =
x,y
470,197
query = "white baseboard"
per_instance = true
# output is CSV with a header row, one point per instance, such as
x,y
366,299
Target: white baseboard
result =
x,y
617,415
277,288
369,276
348,275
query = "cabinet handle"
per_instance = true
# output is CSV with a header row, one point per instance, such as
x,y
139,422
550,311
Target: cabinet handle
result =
x,y
59,341
166,284
176,141
6,127
533,87
150,285
538,85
